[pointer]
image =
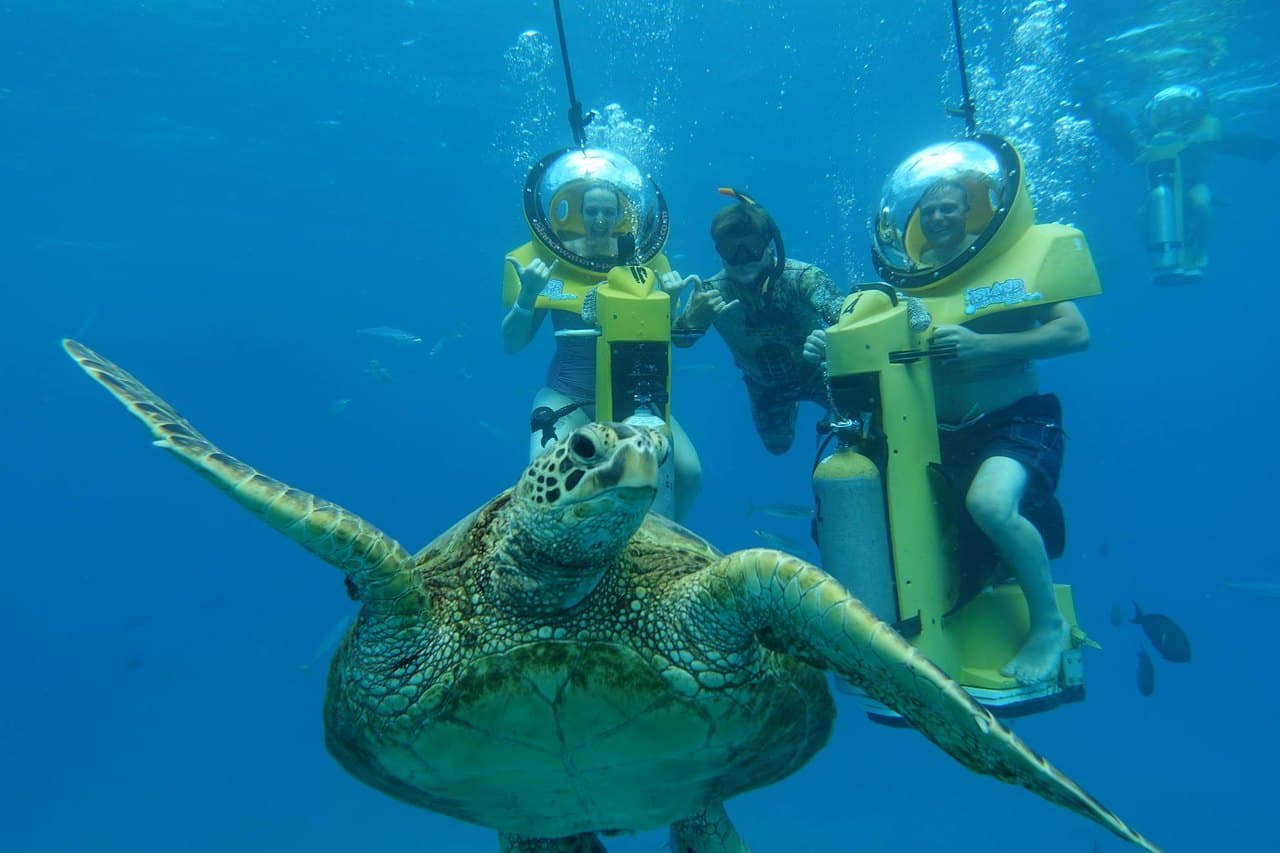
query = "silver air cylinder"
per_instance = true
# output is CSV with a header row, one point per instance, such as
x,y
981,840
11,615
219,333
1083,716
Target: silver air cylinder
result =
x,y
853,533
1163,238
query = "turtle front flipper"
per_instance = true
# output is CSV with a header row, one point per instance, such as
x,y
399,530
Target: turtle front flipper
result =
x,y
709,831
805,612
380,567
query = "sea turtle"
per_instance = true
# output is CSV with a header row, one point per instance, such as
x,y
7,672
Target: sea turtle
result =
x,y
562,664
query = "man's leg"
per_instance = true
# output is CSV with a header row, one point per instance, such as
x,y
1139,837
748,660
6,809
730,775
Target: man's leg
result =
x,y
993,501
1199,224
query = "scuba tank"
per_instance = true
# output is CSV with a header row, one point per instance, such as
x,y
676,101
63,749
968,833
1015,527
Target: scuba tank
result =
x,y
1164,215
851,527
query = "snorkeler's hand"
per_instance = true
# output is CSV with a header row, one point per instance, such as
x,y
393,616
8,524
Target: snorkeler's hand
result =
x,y
705,305
533,279
956,343
815,346
671,283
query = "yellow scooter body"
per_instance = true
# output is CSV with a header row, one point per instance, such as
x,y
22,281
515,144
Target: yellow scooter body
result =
x,y
873,350
633,350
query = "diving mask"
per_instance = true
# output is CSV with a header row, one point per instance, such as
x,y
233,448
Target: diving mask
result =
x,y
751,271
742,249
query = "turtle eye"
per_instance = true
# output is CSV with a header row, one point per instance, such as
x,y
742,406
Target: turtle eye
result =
x,y
582,447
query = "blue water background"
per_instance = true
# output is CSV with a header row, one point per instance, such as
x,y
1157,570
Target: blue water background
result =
x,y
217,195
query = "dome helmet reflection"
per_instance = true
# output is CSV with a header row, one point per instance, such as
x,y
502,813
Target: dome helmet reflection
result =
x,y
946,205
563,191
1177,109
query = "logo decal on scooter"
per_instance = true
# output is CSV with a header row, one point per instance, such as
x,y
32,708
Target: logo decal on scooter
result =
x,y
1011,291
555,290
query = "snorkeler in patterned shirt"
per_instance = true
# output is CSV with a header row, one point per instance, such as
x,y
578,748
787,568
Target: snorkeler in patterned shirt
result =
x,y
771,315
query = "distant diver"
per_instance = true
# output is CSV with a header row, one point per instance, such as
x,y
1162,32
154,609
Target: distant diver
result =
x,y
1175,138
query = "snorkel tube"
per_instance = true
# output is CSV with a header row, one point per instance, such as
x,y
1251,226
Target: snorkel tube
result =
x,y
775,236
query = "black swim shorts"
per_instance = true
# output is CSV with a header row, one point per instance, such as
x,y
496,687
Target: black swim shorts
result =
x,y
1028,431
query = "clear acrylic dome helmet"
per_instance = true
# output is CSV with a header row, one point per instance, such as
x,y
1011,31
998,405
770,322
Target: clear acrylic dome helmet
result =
x,y
984,173
1176,108
553,197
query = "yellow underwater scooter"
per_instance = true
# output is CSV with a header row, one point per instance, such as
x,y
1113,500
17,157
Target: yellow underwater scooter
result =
x,y
1177,120
616,297
888,524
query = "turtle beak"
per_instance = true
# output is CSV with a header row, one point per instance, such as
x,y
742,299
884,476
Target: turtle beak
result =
x,y
633,470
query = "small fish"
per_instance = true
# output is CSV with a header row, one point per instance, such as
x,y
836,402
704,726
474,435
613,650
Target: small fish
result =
x,y
84,245
378,372
1134,32
1245,91
438,346
495,432
1169,640
1117,615
1146,674
399,336
1263,591
1169,54
329,642
339,406
782,543
781,510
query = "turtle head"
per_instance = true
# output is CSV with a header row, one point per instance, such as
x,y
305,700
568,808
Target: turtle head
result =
x,y
579,503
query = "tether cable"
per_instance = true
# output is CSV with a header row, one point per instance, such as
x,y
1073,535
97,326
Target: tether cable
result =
x,y
966,110
577,121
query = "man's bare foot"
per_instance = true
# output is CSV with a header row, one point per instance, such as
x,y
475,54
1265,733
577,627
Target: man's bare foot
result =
x,y
1038,659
